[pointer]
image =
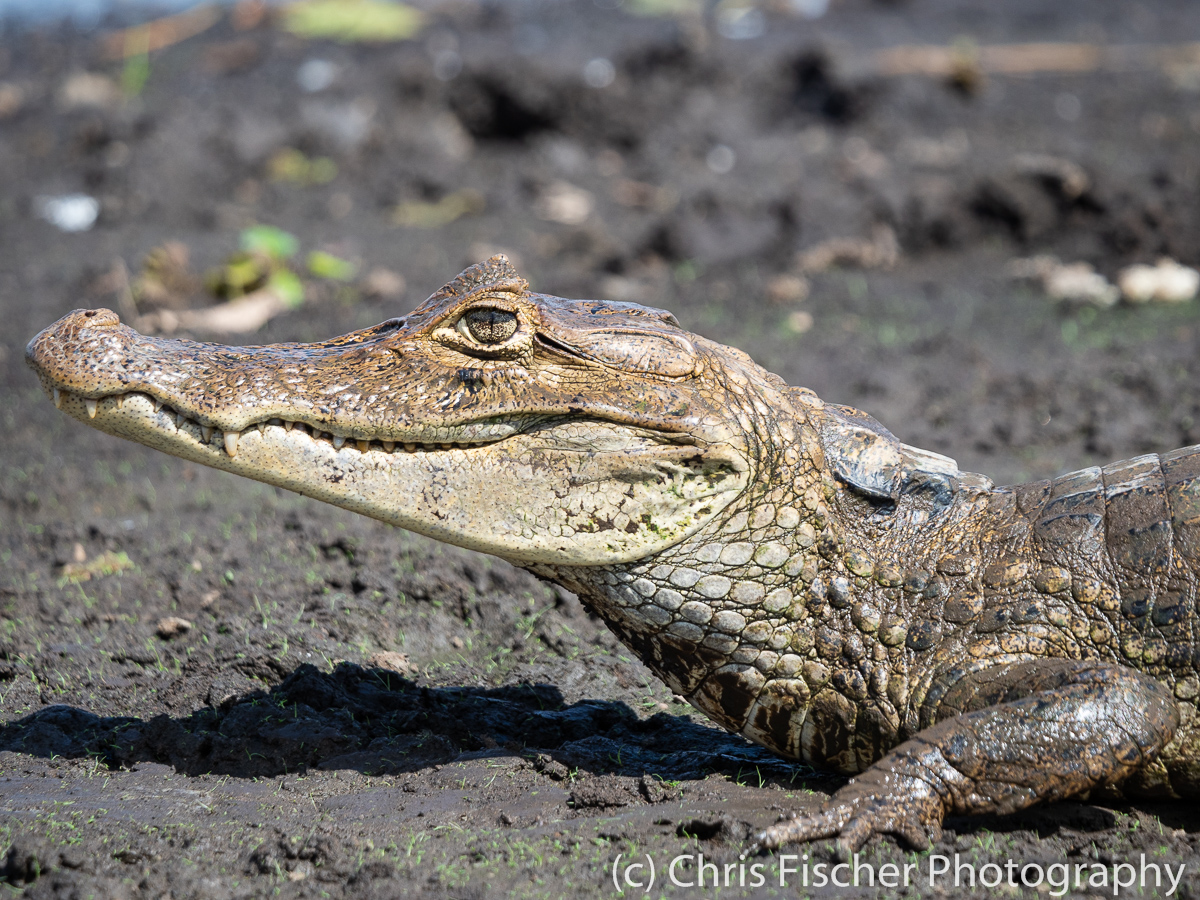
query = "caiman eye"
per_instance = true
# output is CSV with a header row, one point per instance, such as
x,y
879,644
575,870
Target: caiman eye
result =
x,y
488,325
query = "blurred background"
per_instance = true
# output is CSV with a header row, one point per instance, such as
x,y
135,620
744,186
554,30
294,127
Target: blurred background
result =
x,y
979,222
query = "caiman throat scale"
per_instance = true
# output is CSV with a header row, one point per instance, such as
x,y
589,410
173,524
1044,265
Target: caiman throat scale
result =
x,y
789,566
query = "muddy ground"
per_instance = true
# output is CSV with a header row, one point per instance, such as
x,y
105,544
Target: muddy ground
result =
x,y
269,750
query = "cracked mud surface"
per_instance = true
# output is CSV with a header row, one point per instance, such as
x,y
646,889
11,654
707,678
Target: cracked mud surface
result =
x,y
269,749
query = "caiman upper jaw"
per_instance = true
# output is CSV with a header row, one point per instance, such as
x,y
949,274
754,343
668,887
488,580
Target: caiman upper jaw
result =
x,y
122,363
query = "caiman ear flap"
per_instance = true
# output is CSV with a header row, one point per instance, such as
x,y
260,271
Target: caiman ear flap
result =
x,y
669,355
861,452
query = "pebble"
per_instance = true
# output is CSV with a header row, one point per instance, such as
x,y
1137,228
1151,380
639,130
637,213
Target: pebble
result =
x,y
172,626
1166,282
391,660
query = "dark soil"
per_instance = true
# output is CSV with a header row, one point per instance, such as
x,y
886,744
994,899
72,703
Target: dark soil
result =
x,y
263,751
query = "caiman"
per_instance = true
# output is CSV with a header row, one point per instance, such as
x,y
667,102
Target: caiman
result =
x,y
787,565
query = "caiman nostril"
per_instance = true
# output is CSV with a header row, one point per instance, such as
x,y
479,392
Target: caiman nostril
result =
x,y
101,318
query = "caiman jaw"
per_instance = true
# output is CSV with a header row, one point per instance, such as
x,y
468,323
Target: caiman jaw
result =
x,y
162,418
524,457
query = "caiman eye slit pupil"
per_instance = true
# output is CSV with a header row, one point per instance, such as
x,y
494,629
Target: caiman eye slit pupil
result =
x,y
490,326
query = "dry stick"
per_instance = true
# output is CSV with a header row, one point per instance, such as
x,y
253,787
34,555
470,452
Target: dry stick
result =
x,y
1030,59
159,33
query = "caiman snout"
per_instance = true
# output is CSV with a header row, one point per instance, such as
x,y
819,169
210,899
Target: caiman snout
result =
x,y
48,345
98,318
55,352
71,326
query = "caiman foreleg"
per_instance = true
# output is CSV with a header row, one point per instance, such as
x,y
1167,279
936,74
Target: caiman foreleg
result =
x,y
1005,738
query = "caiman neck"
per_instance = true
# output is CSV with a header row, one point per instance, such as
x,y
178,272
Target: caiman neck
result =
x,y
802,583
701,600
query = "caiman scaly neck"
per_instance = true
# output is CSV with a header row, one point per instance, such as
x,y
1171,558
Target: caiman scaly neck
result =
x,y
793,584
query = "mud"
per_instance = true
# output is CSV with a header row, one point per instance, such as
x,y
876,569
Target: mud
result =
x,y
516,748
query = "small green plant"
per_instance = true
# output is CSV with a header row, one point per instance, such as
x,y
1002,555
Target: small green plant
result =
x,y
107,563
290,164
264,263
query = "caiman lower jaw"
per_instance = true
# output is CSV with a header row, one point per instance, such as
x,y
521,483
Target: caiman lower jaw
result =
x,y
166,418
577,505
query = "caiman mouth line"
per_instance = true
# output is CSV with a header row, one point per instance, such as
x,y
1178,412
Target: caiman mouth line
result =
x,y
169,418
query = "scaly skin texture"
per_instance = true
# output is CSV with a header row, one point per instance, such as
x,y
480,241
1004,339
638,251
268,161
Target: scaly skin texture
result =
x,y
797,573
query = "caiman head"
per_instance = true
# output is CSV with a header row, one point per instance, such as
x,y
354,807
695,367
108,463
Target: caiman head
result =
x,y
538,429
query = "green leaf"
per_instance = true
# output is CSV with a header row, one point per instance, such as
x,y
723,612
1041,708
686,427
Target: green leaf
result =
x,y
272,242
353,20
286,285
289,164
326,265
241,272
322,170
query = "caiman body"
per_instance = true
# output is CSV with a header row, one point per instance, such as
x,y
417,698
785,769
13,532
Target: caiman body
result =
x,y
787,565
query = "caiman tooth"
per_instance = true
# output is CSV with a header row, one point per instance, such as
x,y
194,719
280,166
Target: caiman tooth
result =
x,y
91,408
389,446
363,446
338,442
261,426
206,433
120,401
158,404
287,426
411,448
180,418
231,442
57,399
446,446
